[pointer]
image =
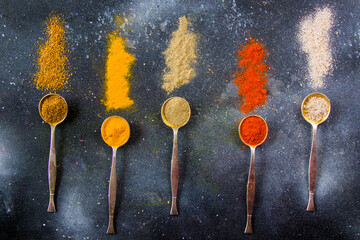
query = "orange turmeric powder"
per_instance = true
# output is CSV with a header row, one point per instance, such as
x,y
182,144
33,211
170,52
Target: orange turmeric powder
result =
x,y
118,71
115,131
52,62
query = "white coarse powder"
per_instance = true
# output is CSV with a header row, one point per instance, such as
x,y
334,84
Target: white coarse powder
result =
x,y
315,42
316,108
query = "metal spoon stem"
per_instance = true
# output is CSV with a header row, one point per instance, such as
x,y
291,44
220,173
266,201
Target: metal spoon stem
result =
x,y
312,171
112,193
250,196
52,170
174,174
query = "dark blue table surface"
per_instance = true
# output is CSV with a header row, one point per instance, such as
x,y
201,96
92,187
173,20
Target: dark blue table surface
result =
x,y
213,162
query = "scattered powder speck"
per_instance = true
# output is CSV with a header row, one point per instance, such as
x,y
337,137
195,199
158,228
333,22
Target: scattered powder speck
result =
x,y
180,57
315,42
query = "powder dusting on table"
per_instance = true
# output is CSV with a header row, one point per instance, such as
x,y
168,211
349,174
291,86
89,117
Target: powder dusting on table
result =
x,y
315,42
180,57
251,77
176,111
52,62
316,108
118,71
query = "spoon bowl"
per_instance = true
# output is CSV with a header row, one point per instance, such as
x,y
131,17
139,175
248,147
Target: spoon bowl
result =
x,y
41,106
53,110
303,112
119,142
170,122
175,113
313,157
242,138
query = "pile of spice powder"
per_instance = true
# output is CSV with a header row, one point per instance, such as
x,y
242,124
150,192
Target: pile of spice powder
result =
x,y
315,42
180,57
52,61
251,78
118,72
53,109
316,108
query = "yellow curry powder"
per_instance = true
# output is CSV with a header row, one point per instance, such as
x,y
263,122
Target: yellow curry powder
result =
x,y
52,63
115,131
118,70
53,109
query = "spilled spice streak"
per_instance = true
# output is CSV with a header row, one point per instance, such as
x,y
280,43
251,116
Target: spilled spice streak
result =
x,y
118,71
251,78
314,37
180,57
52,63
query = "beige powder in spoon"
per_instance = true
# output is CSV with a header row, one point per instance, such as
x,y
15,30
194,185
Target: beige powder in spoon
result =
x,y
316,108
176,111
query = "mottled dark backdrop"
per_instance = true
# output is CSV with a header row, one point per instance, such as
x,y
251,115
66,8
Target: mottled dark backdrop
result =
x,y
213,162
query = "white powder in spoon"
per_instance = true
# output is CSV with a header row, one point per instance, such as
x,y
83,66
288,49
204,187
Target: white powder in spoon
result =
x,y
316,108
315,42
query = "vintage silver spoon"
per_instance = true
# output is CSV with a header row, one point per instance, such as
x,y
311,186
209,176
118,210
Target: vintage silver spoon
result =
x,y
174,160
52,153
313,158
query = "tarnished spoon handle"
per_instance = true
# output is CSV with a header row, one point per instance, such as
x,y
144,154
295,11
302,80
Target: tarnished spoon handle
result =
x,y
250,196
174,174
112,194
52,170
312,172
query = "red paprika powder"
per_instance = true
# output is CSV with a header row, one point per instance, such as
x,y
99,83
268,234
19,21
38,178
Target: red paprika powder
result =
x,y
251,79
253,130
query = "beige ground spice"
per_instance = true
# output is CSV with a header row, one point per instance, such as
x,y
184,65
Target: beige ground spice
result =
x,y
180,57
316,108
176,111
315,42
53,109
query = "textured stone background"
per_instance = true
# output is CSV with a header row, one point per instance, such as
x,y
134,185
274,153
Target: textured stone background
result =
x,y
213,162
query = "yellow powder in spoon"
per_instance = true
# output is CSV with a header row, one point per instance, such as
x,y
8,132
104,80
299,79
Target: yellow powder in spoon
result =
x,y
180,57
115,131
53,109
176,111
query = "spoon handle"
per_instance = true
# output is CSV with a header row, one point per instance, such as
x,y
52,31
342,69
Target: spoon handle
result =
x,y
112,193
250,192
312,172
52,170
174,174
